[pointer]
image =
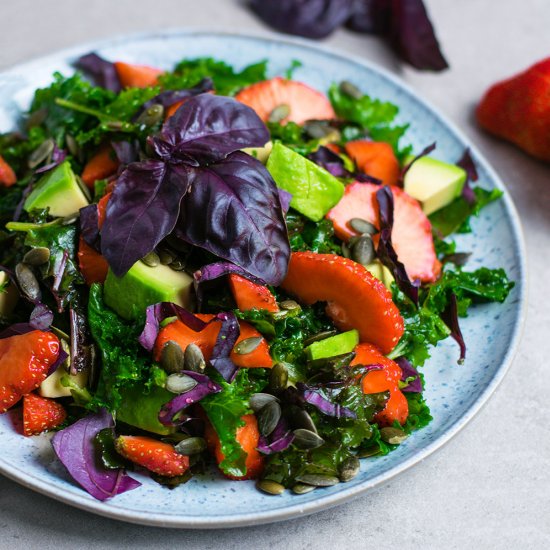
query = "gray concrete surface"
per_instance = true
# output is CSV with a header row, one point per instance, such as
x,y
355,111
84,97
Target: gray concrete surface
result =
x,y
490,486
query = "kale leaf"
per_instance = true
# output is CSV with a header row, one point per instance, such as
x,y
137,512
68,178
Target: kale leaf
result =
x,y
305,234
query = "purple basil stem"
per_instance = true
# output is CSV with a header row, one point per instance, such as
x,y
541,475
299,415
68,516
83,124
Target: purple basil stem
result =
x,y
204,387
450,317
426,151
89,226
58,156
317,399
21,203
467,163
126,151
102,72
284,197
60,271
157,313
75,447
385,250
408,371
227,337
41,317
61,358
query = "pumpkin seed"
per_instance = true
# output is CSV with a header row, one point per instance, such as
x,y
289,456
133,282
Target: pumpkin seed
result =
x,y
278,377
349,468
370,451
115,125
318,337
248,345
84,188
318,480
72,145
191,446
151,116
177,265
268,417
258,401
302,420
172,357
69,220
395,436
317,129
151,259
180,383
27,281
306,439
36,118
350,90
346,251
302,489
270,487
37,256
362,226
194,359
41,153
363,250
166,257
279,113
278,315
290,305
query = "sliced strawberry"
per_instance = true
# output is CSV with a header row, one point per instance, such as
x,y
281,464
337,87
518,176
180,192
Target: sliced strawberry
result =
x,y
7,175
137,76
355,299
25,360
156,456
102,165
250,295
206,339
376,159
305,103
412,231
41,414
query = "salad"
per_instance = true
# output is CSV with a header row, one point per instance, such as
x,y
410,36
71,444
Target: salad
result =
x,y
209,266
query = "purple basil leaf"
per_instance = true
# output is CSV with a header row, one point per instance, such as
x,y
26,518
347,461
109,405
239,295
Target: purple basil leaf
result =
x,y
385,250
412,35
75,448
15,330
126,151
204,387
330,161
19,208
102,72
41,317
277,445
309,18
225,341
426,151
58,156
58,275
157,313
450,317
234,211
370,16
467,162
284,197
415,385
61,358
142,210
208,127
317,399
89,226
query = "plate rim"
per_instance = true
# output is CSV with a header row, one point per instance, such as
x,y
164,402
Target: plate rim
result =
x,y
85,502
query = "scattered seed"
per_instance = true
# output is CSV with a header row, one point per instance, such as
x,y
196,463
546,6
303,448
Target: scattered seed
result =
x,y
279,113
194,359
151,116
362,226
302,420
363,250
166,257
346,251
317,129
36,118
27,281
180,383
270,487
350,90
248,345
41,153
84,188
278,377
290,305
258,401
69,220
72,145
306,439
116,125
191,446
349,469
268,417
277,315
302,488
319,336
172,357
37,256
177,265
395,436
318,480
370,451
151,259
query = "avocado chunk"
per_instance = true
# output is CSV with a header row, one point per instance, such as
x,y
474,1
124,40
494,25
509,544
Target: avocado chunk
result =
x,y
143,286
314,190
59,191
434,183
141,410
261,153
333,346
8,295
381,272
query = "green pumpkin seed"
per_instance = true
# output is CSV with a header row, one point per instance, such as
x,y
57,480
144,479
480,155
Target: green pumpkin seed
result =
x,y
180,383
302,420
37,256
317,129
268,417
370,451
177,265
278,377
27,281
363,250
318,480
36,118
258,401
278,315
290,305
72,145
248,345
318,337
41,153
172,357
302,489
69,220
194,359
151,259
351,90
395,436
270,487
349,469
191,446
362,226
166,257
306,439
346,251
115,125
279,113
151,116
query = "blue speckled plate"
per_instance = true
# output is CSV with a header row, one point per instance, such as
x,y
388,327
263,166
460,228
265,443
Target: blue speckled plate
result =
x,y
454,393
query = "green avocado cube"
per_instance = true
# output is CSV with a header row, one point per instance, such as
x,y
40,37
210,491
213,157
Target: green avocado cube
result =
x,y
314,190
434,183
59,191
143,286
333,346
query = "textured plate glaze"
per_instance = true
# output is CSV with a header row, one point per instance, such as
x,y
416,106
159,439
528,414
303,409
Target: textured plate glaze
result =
x,y
454,394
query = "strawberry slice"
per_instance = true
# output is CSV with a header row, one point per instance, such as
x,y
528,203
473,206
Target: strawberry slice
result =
x,y
137,76
156,456
412,231
7,175
25,360
250,295
355,299
376,159
102,165
41,414
305,103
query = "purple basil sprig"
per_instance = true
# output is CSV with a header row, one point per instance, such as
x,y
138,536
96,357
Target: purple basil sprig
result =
x,y
408,372
89,226
126,151
314,397
102,72
467,163
426,151
225,341
279,440
450,317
